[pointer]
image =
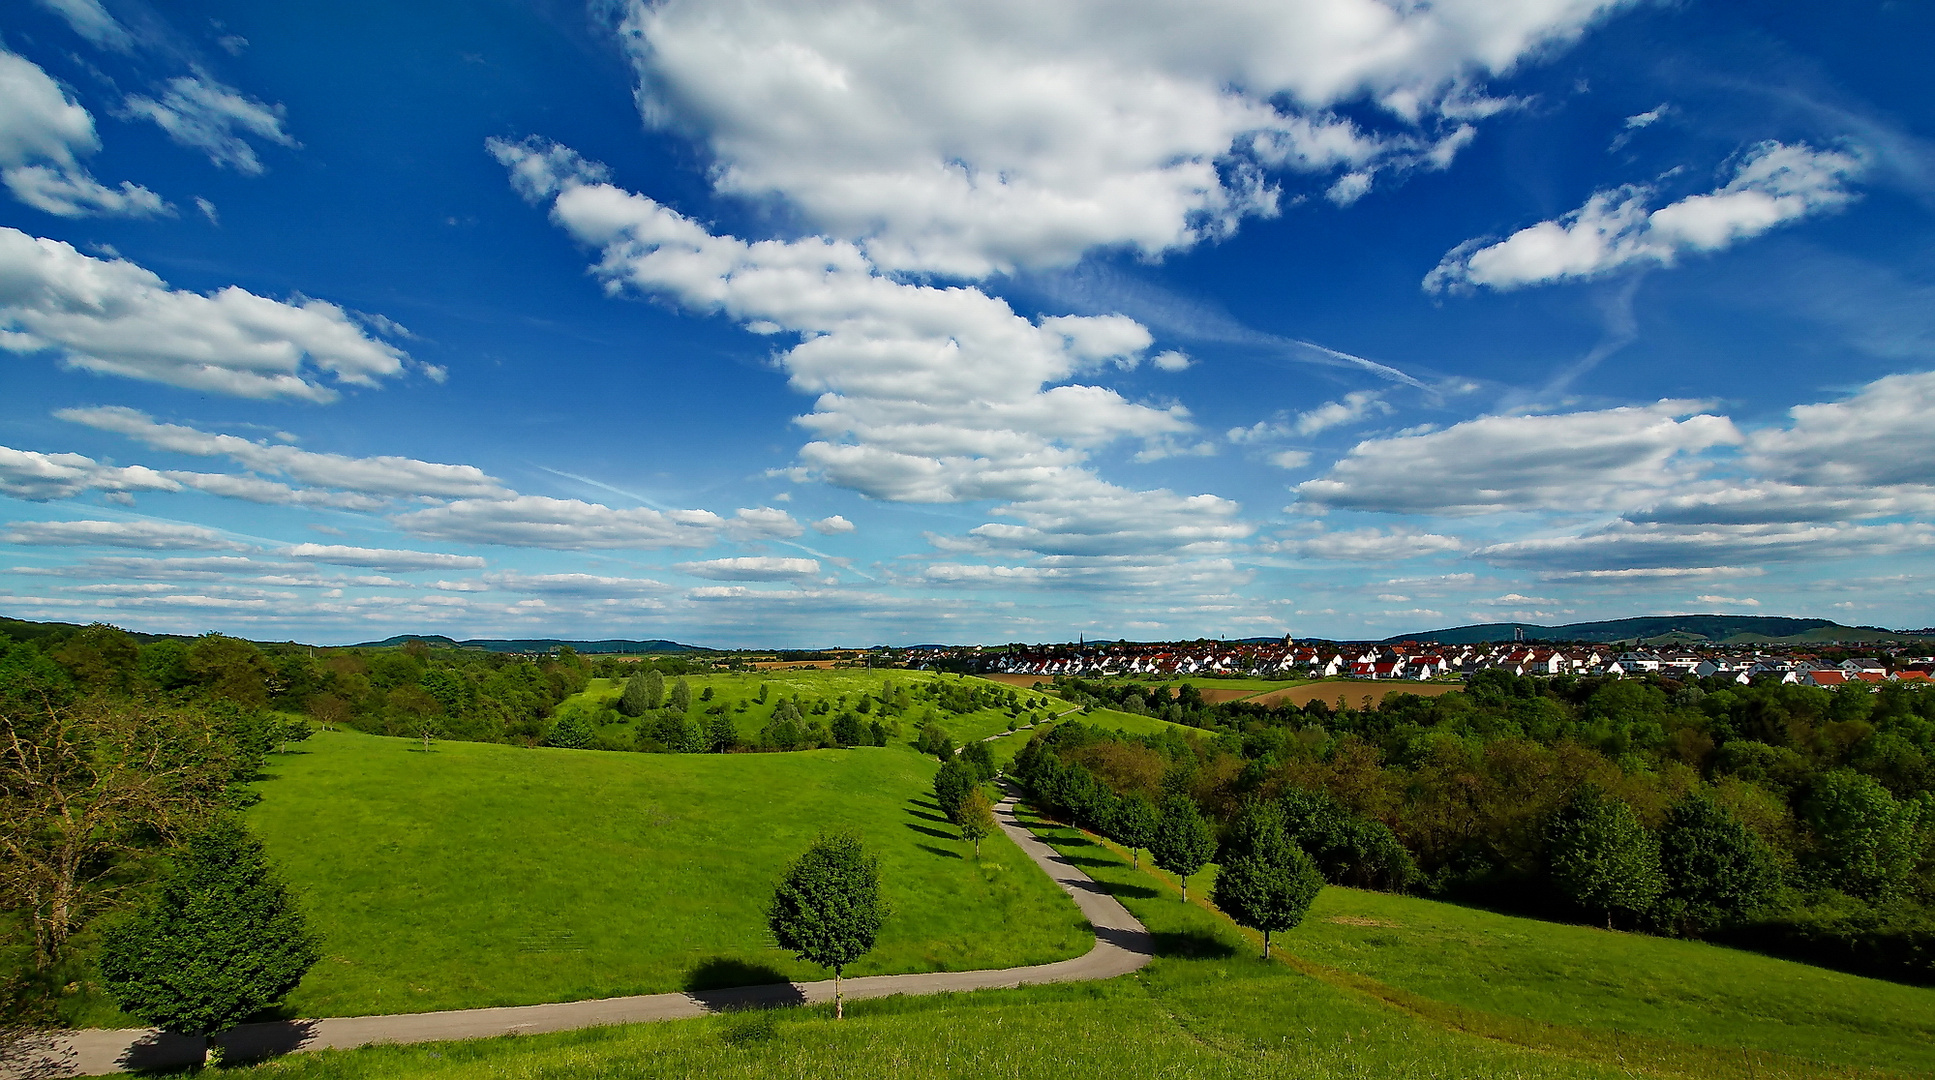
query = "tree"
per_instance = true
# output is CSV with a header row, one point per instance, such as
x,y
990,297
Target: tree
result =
x,y
951,786
636,700
1718,871
847,730
1601,856
976,819
1865,842
933,740
654,689
977,756
1184,842
222,941
1263,881
720,735
571,730
680,699
1135,823
294,731
84,787
828,909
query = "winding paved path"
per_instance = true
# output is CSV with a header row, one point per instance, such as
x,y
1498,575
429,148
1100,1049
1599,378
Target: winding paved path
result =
x,y
1122,945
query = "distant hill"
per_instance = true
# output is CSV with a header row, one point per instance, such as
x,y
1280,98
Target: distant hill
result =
x,y
1729,629
537,645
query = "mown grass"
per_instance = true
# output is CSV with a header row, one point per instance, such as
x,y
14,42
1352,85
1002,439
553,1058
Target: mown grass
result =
x,y
479,874
1659,1006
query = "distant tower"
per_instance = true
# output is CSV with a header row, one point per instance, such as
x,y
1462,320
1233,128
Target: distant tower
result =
x,y
1518,633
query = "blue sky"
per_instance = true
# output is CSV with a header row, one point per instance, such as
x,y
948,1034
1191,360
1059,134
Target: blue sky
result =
x,y
741,322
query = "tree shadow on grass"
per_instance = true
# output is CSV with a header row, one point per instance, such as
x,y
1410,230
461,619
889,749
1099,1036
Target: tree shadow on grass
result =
x,y
943,852
1083,860
1192,945
936,833
1122,888
920,811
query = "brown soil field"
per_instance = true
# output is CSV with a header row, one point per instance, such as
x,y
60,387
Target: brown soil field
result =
x,y
1026,682
1217,697
1353,692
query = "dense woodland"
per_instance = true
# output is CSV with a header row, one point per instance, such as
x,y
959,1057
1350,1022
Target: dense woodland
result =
x,y
1787,818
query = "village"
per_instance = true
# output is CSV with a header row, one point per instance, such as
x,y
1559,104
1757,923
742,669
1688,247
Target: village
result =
x,y
1814,665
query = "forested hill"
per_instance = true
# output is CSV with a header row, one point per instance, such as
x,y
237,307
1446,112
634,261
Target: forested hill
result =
x,y
1716,628
538,645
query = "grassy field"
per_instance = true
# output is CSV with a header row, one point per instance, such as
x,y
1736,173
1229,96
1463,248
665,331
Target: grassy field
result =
x,y
738,693
479,874
1414,1003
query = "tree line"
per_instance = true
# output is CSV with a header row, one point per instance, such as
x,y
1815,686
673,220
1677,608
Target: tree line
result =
x,y
1785,818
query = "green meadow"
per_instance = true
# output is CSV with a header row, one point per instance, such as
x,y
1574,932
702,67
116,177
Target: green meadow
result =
x,y
1375,987
478,874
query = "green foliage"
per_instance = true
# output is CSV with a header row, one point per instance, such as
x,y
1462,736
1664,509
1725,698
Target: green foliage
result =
x,y
1134,824
933,740
636,700
221,941
1864,841
978,756
1184,842
952,784
720,735
572,730
1263,880
828,908
1347,849
654,689
975,819
680,698
1603,859
1718,871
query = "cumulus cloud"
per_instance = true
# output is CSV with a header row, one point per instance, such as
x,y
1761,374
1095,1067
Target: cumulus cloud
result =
x,y
390,476
753,568
833,526
1774,183
1356,406
37,477
1097,518
1371,545
588,585
381,558
1610,458
562,524
763,523
43,134
202,114
112,317
974,139
1625,545
1880,436
156,535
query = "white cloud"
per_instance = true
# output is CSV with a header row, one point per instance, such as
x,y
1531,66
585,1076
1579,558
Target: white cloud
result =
x,y
753,568
1626,545
381,558
112,317
1171,360
90,20
1880,436
391,476
833,526
1609,458
1650,573
1096,518
1371,545
156,535
980,138
204,115
1729,601
43,134
1774,183
590,585
1290,459
37,477
1356,406
763,523
562,524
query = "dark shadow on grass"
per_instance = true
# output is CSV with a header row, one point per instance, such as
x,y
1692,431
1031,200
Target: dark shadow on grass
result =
x,y
926,811
1084,860
943,852
936,833
1192,945
1119,889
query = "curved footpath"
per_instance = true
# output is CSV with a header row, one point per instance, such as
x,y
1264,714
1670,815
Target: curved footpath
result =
x,y
1122,945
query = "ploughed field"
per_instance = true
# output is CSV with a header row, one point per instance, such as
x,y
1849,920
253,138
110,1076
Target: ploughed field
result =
x,y
1370,986
478,874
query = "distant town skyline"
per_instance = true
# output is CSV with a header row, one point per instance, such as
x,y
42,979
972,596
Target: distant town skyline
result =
x,y
753,324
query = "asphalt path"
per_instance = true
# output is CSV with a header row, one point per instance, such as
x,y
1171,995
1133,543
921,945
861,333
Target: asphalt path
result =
x,y
1122,945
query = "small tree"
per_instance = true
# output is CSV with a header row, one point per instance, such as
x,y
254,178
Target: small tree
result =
x,y
720,735
222,941
976,819
654,689
977,756
1602,857
636,700
828,909
951,787
1135,824
296,730
680,699
1184,842
1263,881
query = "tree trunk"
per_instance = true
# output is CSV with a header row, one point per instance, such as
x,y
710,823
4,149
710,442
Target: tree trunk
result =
x,y
1185,885
839,1006
1266,944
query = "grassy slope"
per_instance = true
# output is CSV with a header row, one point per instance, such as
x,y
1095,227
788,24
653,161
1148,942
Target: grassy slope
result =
x,y
484,875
